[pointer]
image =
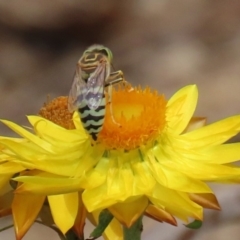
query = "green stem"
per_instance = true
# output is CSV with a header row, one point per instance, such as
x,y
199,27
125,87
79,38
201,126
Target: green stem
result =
x,y
134,232
70,235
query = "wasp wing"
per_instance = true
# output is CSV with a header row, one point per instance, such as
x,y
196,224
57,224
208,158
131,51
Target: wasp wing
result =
x,y
96,84
77,92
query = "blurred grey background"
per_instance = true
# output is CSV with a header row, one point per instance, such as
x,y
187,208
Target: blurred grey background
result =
x,y
165,44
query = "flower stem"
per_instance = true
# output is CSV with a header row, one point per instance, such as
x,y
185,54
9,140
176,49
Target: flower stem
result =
x,y
70,235
134,232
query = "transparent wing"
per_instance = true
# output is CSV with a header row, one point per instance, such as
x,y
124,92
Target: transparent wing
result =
x,y
77,92
96,84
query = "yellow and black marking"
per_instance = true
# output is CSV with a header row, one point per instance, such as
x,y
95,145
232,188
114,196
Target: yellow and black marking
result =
x,y
93,120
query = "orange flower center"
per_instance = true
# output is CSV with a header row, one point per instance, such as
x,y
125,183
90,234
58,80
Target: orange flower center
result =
x,y
57,112
133,118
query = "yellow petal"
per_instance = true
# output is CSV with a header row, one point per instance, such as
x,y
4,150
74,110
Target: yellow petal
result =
x,y
144,181
25,210
64,210
120,181
176,203
96,198
47,184
170,178
129,211
181,107
118,187
222,154
96,176
89,160
10,168
160,215
77,122
215,133
49,131
199,171
71,162
31,137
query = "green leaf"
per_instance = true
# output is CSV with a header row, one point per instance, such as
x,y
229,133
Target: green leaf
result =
x,y
134,232
196,224
105,217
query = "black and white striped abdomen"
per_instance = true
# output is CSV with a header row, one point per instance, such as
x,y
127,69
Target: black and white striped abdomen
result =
x,y
92,119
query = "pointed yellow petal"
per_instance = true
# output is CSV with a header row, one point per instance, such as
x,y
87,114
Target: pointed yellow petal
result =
x,y
77,122
120,181
206,200
170,178
47,184
118,187
113,231
222,154
160,215
10,168
181,107
25,208
97,198
144,180
49,130
26,134
199,171
129,211
70,160
64,210
96,176
176,203
215,133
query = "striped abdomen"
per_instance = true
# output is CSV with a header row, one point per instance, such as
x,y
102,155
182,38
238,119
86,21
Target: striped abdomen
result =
x,y
92,119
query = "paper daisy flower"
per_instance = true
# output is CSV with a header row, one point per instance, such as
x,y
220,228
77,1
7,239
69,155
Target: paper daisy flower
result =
x,y
26,208
151,157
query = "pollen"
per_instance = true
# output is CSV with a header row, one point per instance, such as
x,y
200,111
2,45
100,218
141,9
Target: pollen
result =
x,y
134,117
57,112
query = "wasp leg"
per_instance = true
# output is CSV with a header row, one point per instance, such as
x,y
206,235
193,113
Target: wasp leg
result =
x,y
110,104
115,77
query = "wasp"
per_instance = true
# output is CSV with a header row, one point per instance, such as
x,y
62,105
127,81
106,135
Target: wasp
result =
x,y
87,95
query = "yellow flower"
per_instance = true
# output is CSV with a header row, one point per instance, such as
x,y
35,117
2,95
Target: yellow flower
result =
x,y
25,208
148,158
